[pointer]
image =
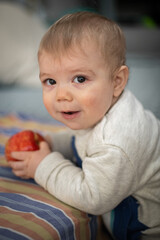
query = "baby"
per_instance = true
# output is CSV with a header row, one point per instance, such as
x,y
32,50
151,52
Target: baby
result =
x,y
108,163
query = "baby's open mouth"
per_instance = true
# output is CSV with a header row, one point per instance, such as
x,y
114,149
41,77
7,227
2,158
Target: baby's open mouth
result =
x,y
70,112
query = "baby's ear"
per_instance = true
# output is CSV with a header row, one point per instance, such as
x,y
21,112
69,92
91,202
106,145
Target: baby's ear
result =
x,y
120,80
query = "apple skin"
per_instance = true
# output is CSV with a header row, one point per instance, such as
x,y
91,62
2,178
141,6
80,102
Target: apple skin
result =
x,y
26,140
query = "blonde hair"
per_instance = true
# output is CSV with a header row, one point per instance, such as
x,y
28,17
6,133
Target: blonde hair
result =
x,y
74,28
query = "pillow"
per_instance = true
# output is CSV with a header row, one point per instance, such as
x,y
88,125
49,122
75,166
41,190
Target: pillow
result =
x,y
21,32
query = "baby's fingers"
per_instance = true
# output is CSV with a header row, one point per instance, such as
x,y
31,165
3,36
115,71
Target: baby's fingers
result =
x,y
19,168
17,165
20,155
20,173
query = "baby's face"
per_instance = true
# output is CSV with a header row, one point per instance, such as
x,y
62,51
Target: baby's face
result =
x,y
77,89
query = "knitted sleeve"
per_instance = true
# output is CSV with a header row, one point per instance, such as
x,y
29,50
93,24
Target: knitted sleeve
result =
x,y
104,180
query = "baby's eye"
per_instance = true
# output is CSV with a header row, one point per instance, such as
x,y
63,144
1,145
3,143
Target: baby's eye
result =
x,y
79,79
50,81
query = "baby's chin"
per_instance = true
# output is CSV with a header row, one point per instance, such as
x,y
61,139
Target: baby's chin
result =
x,y
79,126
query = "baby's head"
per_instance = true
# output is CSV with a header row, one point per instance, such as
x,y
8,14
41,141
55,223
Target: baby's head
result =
x,y
77,29
82,68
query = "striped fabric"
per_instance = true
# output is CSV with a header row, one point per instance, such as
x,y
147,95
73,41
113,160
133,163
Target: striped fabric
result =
x,y
27,211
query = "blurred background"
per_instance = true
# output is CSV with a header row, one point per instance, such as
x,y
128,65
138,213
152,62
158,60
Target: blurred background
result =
x,y
23,23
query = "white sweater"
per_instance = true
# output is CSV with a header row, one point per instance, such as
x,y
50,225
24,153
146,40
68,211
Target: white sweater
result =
x,y
120,157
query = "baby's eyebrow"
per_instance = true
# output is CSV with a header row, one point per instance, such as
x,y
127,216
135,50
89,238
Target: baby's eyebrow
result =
x,y
81,70
43,75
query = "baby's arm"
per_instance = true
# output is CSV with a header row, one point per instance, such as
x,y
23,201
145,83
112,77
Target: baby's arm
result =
x,y
105,179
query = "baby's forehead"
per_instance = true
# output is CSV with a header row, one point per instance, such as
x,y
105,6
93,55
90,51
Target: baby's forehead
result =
x,y
74,57
75,49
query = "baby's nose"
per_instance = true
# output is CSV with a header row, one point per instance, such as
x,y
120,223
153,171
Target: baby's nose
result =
x,y
63,93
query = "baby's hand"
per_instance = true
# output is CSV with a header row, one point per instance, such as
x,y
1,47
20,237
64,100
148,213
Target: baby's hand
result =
x,y
28,161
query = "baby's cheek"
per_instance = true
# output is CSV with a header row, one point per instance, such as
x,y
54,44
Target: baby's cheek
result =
x,y
48,103
90,101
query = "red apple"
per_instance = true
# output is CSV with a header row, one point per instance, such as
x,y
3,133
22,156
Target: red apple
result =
x,y
26,140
